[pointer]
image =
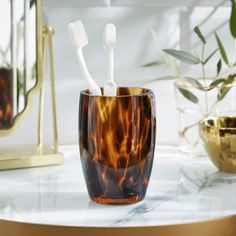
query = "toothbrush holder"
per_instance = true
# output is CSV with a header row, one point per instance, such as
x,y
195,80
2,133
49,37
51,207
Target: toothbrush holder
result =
x,y
117,141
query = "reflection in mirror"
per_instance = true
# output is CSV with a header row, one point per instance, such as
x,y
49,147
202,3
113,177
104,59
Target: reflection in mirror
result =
x,y
17,57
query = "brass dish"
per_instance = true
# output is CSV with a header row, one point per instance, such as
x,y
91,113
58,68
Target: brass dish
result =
x,y
219,138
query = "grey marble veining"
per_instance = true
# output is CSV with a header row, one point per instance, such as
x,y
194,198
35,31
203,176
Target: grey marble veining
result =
x,y
181,189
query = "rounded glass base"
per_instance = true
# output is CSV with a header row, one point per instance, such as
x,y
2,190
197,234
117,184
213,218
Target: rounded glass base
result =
x,y
117,201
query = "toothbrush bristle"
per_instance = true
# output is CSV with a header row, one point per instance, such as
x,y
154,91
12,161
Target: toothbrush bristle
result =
x,y
77,34
110,35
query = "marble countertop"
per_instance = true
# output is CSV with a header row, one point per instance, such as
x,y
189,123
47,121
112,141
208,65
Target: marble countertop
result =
x,y
182,189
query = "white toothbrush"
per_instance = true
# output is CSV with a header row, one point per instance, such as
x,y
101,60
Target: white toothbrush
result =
x,y
79,39
110,86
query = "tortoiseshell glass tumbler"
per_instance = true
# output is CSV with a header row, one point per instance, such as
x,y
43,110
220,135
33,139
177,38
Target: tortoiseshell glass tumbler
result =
x,y
117,142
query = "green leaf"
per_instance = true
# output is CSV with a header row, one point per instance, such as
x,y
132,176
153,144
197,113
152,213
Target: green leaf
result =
x,y
169,77
183,56
219,66
32,2
210,56
216,83
154,63
187,94
222,50
200,35
193,82
225,88
233,19
223,93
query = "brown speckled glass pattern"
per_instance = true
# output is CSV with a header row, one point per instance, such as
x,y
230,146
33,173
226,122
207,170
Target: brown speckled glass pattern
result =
x,y
6,98
117,142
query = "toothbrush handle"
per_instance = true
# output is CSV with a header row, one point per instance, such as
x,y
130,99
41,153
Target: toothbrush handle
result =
x,y
110,65
93,87
83,66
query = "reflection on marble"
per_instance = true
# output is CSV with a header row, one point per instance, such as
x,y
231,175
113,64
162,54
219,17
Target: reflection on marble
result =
x,y
181,189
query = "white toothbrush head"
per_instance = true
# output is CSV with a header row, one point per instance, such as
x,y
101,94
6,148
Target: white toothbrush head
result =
x,y
77,34
110,36
79,39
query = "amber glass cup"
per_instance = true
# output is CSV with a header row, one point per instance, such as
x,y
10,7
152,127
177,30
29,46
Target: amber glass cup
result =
x,y
117,142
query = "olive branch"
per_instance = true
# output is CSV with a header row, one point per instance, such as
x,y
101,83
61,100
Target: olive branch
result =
x,y
223,80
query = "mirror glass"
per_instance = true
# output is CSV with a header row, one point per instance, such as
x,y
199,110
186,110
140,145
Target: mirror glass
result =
x,y
17,57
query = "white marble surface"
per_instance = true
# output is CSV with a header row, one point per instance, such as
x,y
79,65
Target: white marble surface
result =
x,y
181,189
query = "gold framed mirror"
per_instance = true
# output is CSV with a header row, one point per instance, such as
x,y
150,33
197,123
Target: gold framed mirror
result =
x,y
22,65
20,59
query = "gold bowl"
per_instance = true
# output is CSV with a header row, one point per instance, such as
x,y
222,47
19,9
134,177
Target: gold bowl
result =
x,y
219,139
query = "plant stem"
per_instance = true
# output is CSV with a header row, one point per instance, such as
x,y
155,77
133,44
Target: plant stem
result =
x,y
204,77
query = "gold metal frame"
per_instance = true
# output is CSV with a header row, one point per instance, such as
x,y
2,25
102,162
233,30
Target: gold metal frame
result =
x,y
37,155
39,71
223,226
